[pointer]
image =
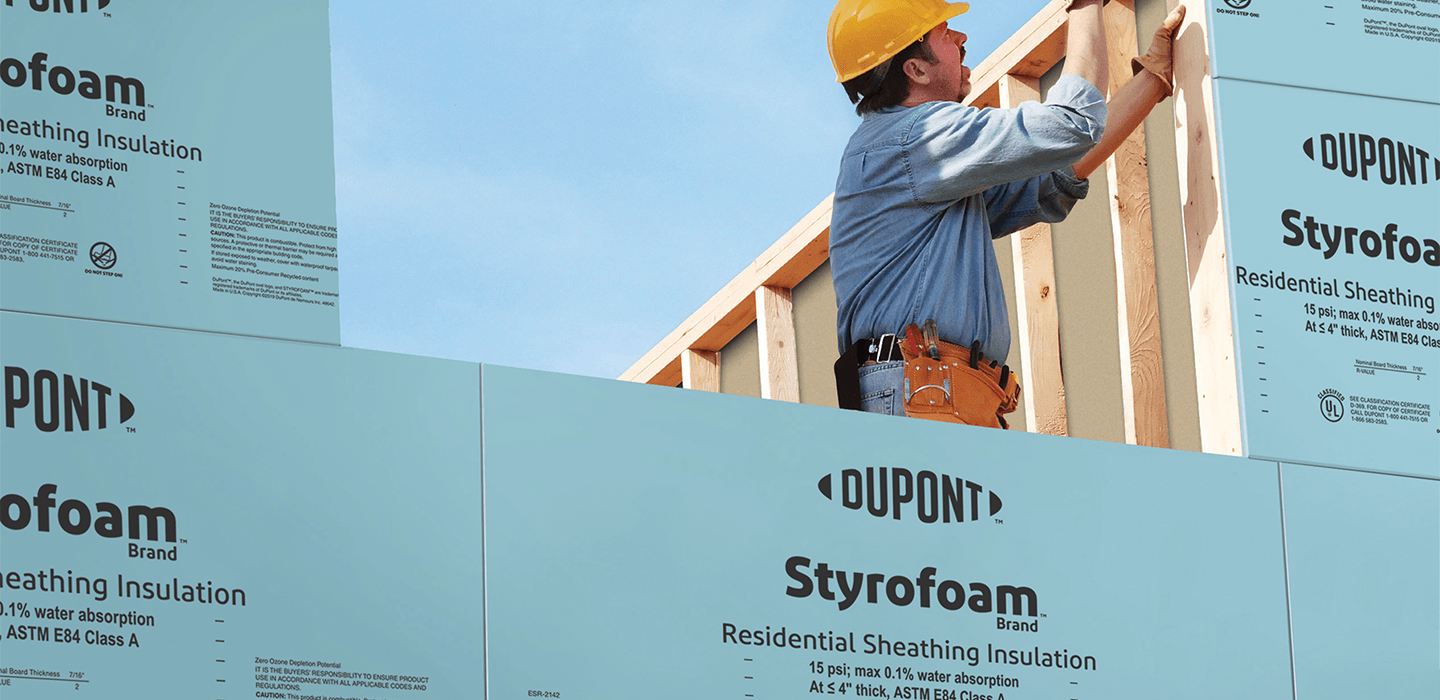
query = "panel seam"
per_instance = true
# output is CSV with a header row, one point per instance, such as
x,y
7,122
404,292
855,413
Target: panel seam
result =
x,y
484,549
1318,89
1285,559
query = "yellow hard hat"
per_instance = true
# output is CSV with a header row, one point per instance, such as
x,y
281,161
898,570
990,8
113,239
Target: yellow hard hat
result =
x,y
867,33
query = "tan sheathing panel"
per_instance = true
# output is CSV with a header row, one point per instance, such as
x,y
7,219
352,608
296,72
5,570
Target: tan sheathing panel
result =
x,y
1089,332
740,364
814,300
1006,259
1171,273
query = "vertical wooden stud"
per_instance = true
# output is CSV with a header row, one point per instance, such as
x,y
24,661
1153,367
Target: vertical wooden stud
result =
x,y
779,365
1198,157
1142,369
700,369
1039,331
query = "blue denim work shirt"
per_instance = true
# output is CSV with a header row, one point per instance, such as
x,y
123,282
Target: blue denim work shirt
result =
x,y
923,191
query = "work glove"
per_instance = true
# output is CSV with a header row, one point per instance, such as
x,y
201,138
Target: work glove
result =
x,y
1160,59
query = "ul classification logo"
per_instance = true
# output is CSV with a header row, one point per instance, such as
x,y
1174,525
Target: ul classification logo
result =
x,y
1238,4
1332,405
102,254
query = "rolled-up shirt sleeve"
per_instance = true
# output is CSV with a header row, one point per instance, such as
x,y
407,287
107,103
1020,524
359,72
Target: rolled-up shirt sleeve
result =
x,y
954,151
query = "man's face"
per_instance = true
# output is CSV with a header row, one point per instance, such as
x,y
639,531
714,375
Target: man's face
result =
x,y
952,76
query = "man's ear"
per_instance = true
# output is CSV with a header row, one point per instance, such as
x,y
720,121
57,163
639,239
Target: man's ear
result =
x,y
917,71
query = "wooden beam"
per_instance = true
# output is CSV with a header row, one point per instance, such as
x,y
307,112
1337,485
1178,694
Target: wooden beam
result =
x,y
1035,305
785,264
700,370
1030,52
1198,156
779,365
1142,369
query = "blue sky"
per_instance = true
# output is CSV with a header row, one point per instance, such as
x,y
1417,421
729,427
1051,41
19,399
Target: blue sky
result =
x,y
558,188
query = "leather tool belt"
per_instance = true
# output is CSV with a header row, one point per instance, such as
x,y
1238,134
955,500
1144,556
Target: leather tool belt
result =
x,y
943,381
956,390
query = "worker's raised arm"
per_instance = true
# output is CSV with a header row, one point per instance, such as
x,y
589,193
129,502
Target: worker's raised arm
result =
x,y
1154,81
1085,53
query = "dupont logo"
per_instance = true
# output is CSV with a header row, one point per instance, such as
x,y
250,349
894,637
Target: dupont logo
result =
x,y
1391,161
896,492
58,401
61,6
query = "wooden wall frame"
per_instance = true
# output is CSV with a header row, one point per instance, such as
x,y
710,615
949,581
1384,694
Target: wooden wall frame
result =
x,y
1009,75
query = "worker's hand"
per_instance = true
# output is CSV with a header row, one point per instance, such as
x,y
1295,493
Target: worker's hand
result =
x,y
1160,59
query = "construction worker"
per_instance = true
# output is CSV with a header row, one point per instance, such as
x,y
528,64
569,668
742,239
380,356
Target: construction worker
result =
x,y
926,183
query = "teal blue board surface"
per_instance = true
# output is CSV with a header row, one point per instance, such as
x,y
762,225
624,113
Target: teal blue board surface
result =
x,y
1364,560
170,164
646,542
1387,48
325,506
1333,222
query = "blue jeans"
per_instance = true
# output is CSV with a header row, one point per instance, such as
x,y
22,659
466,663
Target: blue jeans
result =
x,y
881,386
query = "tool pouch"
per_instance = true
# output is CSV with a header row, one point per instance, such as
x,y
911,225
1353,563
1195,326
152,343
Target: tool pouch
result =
x,y
950,390
847,376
